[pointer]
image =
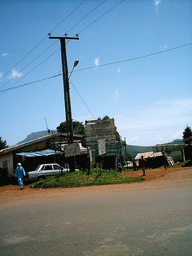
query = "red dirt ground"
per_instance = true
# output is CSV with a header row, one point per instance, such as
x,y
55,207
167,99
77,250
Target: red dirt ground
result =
x,y
154,179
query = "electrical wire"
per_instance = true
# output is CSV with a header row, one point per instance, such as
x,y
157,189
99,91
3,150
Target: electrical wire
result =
x,y
101,16
49,48
67,42
52,43
85,16
82,100
13,88
40,42
135,58
107,64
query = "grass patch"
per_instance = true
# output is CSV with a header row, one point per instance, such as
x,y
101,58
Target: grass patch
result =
x,y
81,179
178,164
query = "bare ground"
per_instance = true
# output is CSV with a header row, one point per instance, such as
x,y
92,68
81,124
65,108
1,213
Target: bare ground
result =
x,y
154,179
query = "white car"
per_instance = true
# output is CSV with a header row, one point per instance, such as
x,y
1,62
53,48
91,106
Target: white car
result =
x,y
44,170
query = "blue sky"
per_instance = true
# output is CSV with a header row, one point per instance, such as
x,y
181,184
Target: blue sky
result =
x,y
149,96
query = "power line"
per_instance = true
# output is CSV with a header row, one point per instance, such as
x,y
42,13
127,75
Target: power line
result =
x,y
107,64
39,44
135,58
85,16
82,100
67,42
51,44
101,16
68,16
18,86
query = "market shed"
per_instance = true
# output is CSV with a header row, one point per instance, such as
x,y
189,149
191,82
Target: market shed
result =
x,y
187,148
176,151
153,160
148,155
45,149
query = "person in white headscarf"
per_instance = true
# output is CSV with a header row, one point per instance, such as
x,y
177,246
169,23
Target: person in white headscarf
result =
x,y
19,173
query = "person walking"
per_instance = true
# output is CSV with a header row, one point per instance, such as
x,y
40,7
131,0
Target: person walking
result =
x,y
165,162
19,173
143,165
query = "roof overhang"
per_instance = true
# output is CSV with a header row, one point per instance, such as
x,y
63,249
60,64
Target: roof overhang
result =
x,y
31,142
47,152
148,155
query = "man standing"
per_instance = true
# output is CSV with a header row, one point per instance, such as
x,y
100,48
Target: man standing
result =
x,y
19,173
165,162
143,166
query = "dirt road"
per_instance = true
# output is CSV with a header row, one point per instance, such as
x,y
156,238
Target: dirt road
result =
x,y
151,217
155,178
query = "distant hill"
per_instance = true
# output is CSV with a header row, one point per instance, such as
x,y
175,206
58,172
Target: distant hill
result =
x,y
36,135
134,150
177,141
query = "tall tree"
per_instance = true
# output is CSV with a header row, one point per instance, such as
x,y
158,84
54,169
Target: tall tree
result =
x,y
78,127
187,133
3,144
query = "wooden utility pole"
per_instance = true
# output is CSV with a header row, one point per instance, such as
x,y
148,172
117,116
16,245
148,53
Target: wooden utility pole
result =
x,y
67,94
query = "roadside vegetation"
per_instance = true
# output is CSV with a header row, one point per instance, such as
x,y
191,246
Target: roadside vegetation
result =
x,y
94,177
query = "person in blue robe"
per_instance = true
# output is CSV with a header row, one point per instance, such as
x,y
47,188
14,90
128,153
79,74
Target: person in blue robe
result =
x,y
19,174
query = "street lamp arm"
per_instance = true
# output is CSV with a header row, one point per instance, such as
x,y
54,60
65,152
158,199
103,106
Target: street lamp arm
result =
x,y
75,64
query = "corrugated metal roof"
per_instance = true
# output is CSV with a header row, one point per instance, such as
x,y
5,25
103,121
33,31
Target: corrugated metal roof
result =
x,y
47,152
15,147
18,146
148,155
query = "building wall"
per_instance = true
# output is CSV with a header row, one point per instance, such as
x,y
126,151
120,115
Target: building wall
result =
x,y
6,161
9,160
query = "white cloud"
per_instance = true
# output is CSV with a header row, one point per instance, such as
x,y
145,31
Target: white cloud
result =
x,y
14,74
157,2
178,135
163,47
157,123
96,62
118,70
136,138
5,54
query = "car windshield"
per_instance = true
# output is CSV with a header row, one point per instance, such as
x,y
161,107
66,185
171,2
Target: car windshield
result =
x,y
37,168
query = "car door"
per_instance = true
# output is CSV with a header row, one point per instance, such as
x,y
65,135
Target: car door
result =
x,y
57,169
48,170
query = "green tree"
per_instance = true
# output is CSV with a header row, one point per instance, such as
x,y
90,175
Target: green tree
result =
x,y
187,133
3,144
78,128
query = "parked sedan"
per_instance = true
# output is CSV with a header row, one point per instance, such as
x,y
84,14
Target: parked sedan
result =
x,y
44,170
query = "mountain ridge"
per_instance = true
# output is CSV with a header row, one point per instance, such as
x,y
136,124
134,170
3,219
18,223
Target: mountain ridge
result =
x,y
36,135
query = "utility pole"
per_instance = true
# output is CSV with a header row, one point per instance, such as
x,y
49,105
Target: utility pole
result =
x,y
67,94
